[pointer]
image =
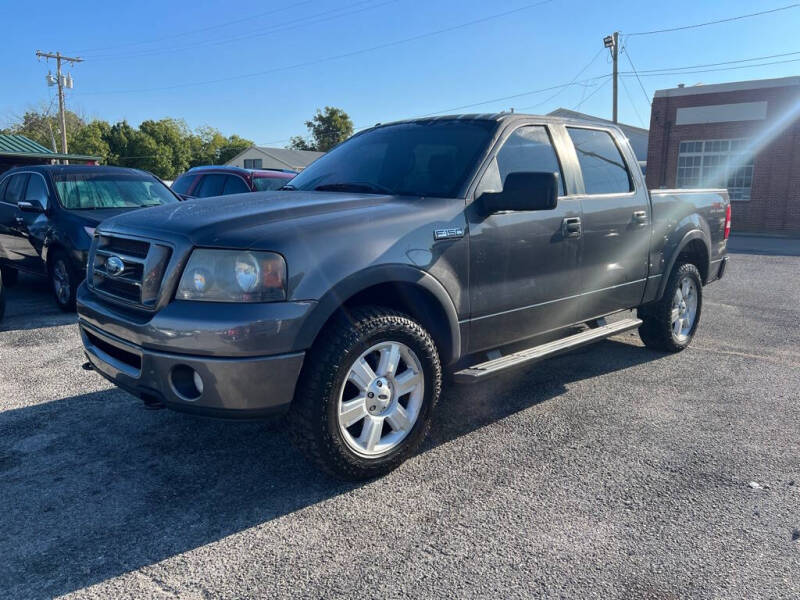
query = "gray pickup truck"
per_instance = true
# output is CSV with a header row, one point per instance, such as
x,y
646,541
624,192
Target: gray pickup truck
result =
x,y
413,248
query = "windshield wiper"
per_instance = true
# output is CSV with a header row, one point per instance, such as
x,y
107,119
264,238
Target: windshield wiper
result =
x,y
355,186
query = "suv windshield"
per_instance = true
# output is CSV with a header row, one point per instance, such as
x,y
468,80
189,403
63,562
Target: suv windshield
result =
x,y
422,158
88,191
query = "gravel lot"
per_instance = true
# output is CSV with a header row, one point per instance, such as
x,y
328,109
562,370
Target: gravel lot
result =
x,y
610,472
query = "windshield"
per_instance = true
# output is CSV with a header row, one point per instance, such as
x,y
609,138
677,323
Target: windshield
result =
x,y
423,158
265,184
88,191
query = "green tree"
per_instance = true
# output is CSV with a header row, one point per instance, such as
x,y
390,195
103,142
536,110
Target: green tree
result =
x,y
44,127
327,128
171,149
92,139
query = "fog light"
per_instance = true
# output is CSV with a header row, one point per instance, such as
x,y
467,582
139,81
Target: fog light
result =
x,y
186,382
198,383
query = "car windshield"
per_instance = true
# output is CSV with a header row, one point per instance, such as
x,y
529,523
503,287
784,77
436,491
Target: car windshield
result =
x,y
421,158
265,184
90,191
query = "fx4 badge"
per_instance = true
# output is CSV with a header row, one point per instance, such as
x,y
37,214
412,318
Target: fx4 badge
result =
x,y
448,234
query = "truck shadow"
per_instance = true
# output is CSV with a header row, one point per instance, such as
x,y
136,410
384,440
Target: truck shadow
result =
x,y
94,486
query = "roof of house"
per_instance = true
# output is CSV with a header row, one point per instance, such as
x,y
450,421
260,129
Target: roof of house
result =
x,y
733,86
19,145
293,159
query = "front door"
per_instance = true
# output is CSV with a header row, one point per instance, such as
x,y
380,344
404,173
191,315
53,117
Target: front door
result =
x,y
616,225
31,227
522,264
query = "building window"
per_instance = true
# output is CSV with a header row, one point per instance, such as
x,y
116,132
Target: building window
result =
x,y
253,163
716,163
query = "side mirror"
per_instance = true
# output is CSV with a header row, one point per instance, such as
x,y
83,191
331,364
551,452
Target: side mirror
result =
x,y
524,191
30,206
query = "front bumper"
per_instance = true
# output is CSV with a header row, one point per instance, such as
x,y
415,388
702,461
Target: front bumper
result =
x,y
249,387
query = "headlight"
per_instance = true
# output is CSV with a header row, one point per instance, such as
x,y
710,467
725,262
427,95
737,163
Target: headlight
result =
x,y
233,276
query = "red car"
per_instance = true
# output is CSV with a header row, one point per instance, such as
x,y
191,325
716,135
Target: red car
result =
x,y
202,182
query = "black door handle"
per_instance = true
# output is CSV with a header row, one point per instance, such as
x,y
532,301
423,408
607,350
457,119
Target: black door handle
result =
x,y
640,216
571,227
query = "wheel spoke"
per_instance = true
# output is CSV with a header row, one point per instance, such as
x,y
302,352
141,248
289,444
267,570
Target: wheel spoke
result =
x,y
352,411
675,315
371,434
676,327
361,374
406,382
398,419
390,359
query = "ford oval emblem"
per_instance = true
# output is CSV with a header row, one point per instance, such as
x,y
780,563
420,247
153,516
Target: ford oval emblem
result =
x,y
115,266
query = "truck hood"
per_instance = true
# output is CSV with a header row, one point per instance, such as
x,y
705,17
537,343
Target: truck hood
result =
x,y
240,220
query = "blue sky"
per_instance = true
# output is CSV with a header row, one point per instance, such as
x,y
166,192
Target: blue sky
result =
x,y
263,71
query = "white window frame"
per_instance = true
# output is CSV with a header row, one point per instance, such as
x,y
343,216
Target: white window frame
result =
x,y
699,159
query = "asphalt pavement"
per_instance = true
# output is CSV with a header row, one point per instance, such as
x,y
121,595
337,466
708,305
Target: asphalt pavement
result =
x,y
611,472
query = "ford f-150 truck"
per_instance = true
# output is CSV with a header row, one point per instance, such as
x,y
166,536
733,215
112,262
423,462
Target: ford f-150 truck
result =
x,y
413,248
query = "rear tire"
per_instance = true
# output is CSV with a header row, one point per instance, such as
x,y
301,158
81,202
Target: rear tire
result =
x,y
64,280
10,276
670,324
366,393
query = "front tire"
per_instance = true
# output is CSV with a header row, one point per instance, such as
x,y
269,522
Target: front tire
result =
x,y
64,281
670,324
366,393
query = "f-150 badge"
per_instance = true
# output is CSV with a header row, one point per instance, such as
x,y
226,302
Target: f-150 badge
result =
x,y
448,234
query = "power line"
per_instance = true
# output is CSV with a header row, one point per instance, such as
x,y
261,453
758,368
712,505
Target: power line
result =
x,y
728,20
330,58
633,104
676,72
727,62
599,87
322,17
248,18
641,85
579,73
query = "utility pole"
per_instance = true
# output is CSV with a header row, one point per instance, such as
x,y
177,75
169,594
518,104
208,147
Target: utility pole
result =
x,y
612,43
60,82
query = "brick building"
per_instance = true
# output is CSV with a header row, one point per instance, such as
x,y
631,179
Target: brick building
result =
x,y
744,136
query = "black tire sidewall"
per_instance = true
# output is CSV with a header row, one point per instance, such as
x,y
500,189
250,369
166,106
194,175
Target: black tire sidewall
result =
x,y
69,306
656,330
412,440
686,270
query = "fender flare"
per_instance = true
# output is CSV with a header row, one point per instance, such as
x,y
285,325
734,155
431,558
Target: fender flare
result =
x,y
694,234
340,293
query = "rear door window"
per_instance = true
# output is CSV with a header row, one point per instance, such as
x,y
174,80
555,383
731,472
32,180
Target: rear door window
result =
x,y
604,170
210,185
235,185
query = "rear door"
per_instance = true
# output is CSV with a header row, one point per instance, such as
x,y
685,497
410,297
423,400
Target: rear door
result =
x,y
10,240
616,223
522,264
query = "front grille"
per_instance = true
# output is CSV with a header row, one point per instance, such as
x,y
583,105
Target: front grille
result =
x,y
142,269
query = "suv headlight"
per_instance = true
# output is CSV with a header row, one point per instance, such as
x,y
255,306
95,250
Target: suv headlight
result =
x,y
233,276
